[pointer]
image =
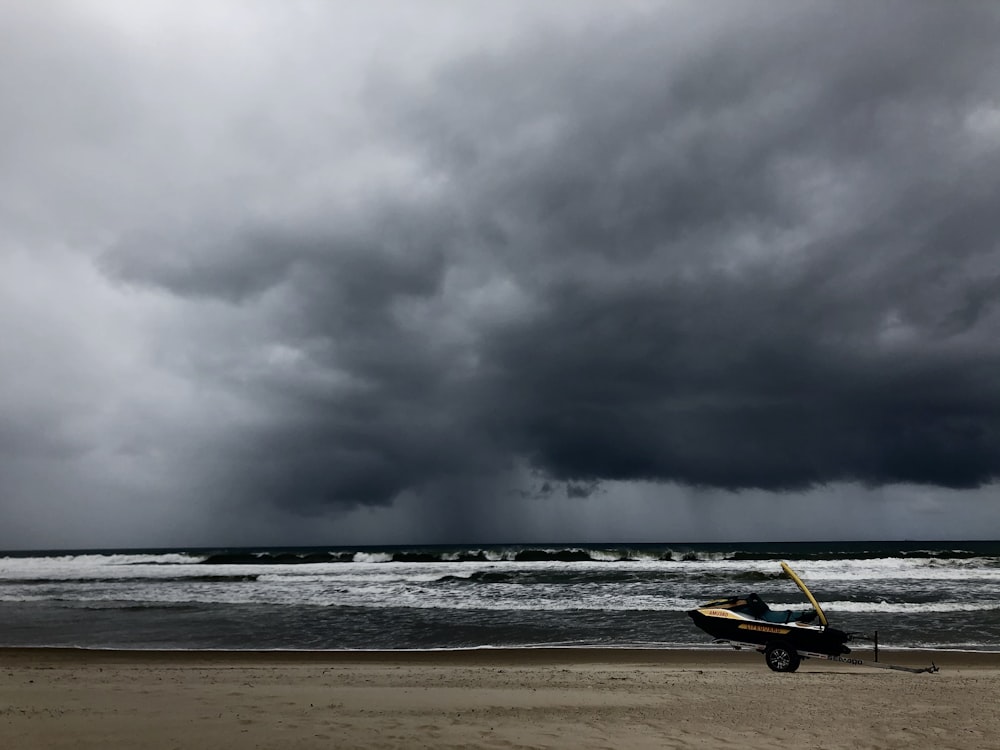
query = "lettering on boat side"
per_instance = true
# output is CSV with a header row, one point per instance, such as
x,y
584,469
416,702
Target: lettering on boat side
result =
x,y
762,628
720,613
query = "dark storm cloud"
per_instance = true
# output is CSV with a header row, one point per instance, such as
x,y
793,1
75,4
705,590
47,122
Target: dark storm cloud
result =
x,y
204,262
737,396
759,252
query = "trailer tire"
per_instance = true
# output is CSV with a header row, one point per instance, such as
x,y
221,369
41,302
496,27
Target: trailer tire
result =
x,y
781,657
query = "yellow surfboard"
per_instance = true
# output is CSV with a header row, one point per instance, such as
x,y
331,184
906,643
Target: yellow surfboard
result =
x,y
805,590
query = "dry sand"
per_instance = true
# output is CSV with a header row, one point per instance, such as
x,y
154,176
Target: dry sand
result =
x,y
593,698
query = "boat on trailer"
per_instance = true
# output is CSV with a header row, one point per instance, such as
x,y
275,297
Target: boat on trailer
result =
x,y
784,636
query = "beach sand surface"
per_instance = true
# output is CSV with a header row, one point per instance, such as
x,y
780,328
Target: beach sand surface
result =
x,y
538,698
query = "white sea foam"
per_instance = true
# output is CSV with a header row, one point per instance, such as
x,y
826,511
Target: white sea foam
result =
x,y
649,584
372,557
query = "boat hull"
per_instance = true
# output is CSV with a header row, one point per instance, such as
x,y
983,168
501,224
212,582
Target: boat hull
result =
x,y
726,625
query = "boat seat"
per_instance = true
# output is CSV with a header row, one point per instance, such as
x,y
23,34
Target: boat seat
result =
x,y
759,609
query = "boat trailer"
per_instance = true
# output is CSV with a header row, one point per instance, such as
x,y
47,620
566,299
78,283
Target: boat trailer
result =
x,y
781,657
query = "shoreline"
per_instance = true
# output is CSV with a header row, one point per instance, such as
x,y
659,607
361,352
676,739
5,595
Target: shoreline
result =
x,y
514,656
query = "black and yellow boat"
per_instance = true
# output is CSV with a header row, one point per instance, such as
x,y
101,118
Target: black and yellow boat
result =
x,y
784,636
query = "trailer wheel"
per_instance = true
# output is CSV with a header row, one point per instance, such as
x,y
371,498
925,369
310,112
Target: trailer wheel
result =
x,y
781,657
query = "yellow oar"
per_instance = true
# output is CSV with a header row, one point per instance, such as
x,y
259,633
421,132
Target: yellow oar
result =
x,y
805,590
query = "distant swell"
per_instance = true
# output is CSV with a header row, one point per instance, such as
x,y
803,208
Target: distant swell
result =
x,y
586,554
276,558
562,555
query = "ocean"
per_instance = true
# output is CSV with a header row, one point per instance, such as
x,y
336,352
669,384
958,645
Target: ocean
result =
x,y
943,595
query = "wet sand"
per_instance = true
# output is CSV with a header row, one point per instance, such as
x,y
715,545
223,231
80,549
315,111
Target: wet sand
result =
x,y
539,698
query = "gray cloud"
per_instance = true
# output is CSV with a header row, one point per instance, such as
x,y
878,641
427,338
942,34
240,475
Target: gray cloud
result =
x,y
735,250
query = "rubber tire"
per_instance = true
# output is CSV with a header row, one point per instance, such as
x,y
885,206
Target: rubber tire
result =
x,y
781,657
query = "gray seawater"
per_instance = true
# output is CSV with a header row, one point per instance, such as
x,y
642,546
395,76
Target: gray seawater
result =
x,y
916,594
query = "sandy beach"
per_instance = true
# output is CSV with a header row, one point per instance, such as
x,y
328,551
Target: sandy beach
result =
x,y
592,698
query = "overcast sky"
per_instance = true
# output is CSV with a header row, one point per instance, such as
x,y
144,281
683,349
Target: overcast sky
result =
x,y
296,272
